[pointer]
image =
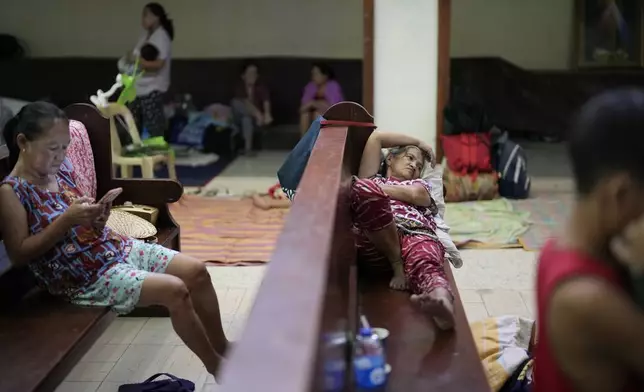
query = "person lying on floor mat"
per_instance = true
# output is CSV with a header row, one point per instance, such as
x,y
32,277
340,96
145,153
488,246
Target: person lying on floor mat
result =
x,y
393,219
49,225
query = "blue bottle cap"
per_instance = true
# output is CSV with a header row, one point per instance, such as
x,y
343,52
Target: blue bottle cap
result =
x,y
365,331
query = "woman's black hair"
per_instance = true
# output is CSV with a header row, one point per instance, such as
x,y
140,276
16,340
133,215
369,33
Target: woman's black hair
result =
x,y
325,69
31,121
247,64
165,22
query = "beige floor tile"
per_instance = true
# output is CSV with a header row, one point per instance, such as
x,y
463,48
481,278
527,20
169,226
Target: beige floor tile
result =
x,y
505,302
139,362
509,269
235,330
90,371
70,386
183,363
122,331
470,296
231,300
105,353
209,388
475,311
109,386
530,301
157,330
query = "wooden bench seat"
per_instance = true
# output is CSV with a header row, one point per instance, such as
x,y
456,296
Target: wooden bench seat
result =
x,y
312,288
43,337
422,358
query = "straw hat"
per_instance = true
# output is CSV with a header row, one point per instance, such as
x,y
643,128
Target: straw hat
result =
x,y
130,225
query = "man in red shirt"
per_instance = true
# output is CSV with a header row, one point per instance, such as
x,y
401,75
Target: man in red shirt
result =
x,y
591,331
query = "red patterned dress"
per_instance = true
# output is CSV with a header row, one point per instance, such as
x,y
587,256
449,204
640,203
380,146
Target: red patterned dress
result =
x,y
422,251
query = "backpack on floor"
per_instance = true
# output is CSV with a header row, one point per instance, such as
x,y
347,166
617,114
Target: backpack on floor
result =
x,y
511,162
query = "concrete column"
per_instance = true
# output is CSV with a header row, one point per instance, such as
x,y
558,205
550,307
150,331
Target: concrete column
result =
x,y
406,66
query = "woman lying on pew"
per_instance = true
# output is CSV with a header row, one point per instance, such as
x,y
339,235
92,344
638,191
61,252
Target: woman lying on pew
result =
x,y
393,214
50,226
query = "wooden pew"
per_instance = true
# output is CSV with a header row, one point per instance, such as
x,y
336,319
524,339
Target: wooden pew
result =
x,y
42,337
312,288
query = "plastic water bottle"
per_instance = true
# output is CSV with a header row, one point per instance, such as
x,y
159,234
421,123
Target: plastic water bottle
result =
x,y
369,361
334,362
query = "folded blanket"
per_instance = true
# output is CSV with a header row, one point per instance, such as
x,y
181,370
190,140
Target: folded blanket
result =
x,y
502,344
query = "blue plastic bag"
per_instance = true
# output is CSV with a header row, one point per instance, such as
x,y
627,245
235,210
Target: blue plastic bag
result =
x,y
292,169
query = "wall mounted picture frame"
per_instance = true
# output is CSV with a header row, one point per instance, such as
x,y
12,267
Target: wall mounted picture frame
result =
x,y
608,33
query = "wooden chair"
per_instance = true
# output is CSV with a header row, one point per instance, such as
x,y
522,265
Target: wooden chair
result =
x,y
125,164
43,337
312,288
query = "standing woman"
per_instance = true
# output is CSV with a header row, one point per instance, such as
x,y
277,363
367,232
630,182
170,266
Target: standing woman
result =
x,y
147,109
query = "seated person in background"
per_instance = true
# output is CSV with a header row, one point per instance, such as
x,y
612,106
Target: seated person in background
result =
x,y
320,93
251,105
61,235
589,326
393,217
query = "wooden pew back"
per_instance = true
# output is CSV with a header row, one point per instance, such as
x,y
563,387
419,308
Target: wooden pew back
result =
x,y
310,286
311,289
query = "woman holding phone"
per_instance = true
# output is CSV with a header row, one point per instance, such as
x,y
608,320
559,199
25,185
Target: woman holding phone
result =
x,y
50,226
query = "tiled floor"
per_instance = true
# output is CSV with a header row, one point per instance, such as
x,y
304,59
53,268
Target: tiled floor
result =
x,y
491,283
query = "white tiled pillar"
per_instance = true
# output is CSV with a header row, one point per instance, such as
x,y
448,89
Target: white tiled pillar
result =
x,y
406,66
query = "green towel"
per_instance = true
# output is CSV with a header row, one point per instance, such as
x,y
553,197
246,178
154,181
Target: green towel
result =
x,y
492,222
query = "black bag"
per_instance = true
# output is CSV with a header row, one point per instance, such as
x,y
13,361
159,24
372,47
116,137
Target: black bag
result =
x,y
170,384
222,141
465,114
510,161
10,48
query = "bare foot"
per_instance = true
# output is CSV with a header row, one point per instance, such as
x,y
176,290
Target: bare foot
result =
x,y
438,304
260,202
215,367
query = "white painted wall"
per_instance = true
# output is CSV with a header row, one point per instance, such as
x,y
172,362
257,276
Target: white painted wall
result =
x,y
534,34
204,28
406,66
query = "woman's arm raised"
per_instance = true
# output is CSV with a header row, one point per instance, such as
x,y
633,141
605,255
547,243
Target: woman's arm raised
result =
x,y
371,155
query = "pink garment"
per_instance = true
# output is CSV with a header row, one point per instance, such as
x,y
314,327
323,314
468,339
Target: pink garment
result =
x,y
332,92
422,254
81,157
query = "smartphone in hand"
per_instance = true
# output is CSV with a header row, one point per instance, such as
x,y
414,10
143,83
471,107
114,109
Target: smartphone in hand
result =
x,y
110,196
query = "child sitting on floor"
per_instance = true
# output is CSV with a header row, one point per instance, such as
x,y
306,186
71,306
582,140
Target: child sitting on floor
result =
x,y
276,198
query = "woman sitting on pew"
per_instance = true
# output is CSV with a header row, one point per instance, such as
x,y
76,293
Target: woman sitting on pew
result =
x,y
61,235
393,216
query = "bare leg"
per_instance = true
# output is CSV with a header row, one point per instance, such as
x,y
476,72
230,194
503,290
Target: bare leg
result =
x,y
424,266
171,292
372,214
439,304
244,118
196,277
267,202
305,122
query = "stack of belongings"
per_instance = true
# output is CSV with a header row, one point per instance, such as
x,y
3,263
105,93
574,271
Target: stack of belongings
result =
x,y
482,162
467,144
